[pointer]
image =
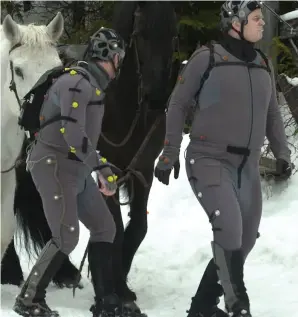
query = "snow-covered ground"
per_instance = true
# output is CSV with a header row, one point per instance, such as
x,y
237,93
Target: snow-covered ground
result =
x,y
171,260
292,81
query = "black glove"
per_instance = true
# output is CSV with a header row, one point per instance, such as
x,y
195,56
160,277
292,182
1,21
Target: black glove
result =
x,y
283,169
167,161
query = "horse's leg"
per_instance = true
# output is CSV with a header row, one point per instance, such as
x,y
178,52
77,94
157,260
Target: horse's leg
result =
x,y
8,220
11,271
117,247
137,227
67,275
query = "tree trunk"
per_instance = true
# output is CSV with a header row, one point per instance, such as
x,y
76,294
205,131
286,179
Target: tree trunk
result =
x,y
27,6
78,14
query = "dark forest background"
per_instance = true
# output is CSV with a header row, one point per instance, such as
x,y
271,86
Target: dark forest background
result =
x,y
197,22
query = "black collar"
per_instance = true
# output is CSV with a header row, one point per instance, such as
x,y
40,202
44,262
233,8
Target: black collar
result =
x,y
241,49
101,76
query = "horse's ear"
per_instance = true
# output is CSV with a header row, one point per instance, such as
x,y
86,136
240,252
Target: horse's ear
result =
x,y
11,30
56,27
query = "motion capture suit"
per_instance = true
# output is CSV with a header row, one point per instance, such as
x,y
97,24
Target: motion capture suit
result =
x,y
61,162
237,108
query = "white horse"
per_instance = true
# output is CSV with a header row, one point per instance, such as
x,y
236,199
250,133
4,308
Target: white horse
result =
x,y
27,51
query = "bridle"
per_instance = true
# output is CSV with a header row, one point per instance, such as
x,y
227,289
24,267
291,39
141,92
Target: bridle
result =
x,y
142,104
12,87
142,109
134,43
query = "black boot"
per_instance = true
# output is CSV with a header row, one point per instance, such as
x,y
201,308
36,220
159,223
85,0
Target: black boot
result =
x,y
230,271
204,303
31,300
107,303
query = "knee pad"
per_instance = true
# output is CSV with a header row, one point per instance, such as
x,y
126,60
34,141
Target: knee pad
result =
x,y
69,238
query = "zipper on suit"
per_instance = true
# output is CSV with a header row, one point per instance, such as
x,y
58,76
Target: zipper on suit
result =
x,y
245,157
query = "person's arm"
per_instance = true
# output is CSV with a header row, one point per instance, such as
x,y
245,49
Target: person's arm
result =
x,y
183,95
75,93
275,130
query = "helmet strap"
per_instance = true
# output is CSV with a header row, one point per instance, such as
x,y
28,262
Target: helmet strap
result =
x,y
113,65
116,71
241,32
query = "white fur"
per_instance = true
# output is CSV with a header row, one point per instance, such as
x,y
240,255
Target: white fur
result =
x,y
36,55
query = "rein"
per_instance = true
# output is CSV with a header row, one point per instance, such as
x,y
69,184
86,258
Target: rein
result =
x,y
130,172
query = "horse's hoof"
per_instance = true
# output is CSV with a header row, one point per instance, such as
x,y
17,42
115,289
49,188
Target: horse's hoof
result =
x,y
132,309
125,293
11,280
68,283
131,306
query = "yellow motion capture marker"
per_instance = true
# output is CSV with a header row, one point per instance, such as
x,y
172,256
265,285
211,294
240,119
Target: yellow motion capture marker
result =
x,y
72,149
97,92
62,130
103,159
73,72
75,104
110,179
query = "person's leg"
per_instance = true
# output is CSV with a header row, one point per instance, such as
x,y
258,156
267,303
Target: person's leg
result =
x,y
58,193
251,206
95,215
232,261
215,190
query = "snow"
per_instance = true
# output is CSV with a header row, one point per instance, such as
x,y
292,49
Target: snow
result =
x,y
292,81
290,15
171,260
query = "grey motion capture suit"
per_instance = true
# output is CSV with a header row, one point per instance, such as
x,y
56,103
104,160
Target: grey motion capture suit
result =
x,y
228,120
237,108
61,161
56,160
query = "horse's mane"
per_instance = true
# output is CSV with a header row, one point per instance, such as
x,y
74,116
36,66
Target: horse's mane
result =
x,y
123,18
159,21
32,35
35,36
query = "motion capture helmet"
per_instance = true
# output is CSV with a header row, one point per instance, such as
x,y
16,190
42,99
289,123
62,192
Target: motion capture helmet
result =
x,y
237,11
104,45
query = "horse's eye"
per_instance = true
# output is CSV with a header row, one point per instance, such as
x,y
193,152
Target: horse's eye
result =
x,y
19,72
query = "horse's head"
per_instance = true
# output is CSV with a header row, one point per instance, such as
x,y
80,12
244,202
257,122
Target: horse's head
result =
x,y
31,51
152,35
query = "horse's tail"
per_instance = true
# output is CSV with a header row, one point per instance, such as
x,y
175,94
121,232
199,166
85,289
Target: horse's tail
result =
x,y
28,208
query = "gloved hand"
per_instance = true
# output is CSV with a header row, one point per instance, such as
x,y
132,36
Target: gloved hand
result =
x,y
283,169
107,179
167,161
